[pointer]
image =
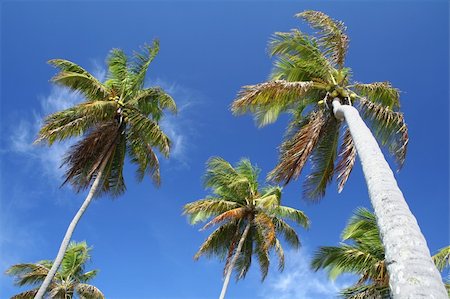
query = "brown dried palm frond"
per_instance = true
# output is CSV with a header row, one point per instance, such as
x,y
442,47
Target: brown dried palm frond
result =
x,y
26,295
347,154
388,126
234,214
231,251
85,157
332,37
322,160
265,225
296,149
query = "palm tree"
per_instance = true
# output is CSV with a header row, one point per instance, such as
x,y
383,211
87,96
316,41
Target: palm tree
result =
x,y
249,219
361,253
310,82
70,280
118,117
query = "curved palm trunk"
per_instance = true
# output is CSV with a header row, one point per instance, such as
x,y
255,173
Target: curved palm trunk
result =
x,y
70,230
233,261
412,273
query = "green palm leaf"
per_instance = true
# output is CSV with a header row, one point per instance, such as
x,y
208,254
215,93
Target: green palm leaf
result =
x,y
331,34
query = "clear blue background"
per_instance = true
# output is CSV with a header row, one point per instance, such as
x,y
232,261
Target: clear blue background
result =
x,y
142,244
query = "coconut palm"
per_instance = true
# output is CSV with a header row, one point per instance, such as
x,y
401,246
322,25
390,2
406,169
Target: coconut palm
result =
x,y
249,219
118,117
71,279
361,253
310,81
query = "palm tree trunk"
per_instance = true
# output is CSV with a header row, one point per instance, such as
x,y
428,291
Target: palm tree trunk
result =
x,y
412,273
233,261
70,230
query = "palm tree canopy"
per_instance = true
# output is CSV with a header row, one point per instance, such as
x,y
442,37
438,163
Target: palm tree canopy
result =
x,y
361,253
236,201
118,117
70,279
308,74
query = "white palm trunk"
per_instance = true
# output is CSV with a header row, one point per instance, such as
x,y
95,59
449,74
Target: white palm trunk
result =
x,y
412,273
233,261
65,243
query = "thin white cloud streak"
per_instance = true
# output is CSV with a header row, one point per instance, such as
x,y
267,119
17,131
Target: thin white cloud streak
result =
x,y
299,281
23,135
22,138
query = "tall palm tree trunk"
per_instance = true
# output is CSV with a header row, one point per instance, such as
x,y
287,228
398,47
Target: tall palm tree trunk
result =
x,y
70,230
412,273
233,261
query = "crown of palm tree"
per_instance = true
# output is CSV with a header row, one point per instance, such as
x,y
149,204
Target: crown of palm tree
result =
x,y
71,279
237,201
118,117
361,252
309,73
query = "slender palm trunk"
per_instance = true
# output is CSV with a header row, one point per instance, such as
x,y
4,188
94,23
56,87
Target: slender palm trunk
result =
x,y
233,261
69,232
412,273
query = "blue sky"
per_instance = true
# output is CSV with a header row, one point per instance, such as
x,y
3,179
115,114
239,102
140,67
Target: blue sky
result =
x,y
142,245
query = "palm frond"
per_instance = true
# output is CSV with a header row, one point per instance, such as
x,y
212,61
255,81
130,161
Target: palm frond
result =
x,y
296,149
201,210
332,37
26,295
441,259
140,64
218,242
114,183
75,258
364,291
265,226
267,100
347,158
117,62
75,121
292,214
85,157
280,253
379,92
28,274
89,275
152,102
389,128
244,259
294,69
322,160
303,48
231,215
142,154
78,79
149,130
262,253
288,233
270,198
345,259
87,291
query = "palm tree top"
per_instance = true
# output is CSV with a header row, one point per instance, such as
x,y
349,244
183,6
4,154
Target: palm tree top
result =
x,y
361,252
71,277
119,117
236,201
309,72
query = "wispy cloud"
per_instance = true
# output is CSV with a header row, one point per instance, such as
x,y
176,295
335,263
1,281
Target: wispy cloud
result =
x,y
23,135
299,281
180,128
